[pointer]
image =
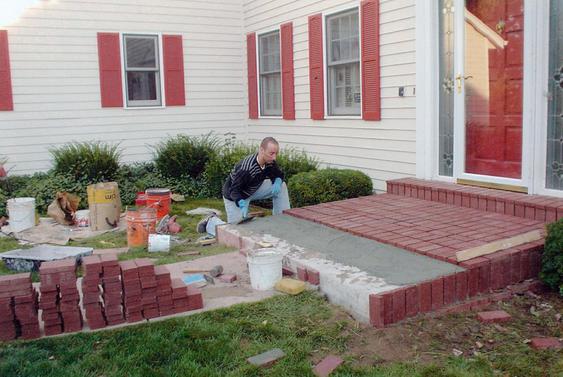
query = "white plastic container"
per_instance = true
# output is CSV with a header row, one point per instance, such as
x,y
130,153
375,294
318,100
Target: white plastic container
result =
x,y
21,213
265,268
82,218
159,243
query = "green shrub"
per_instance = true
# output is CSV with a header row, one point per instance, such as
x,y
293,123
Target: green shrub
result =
x,y
293,161
89,161
3,199
44,186
184,155
327,185
552,258
221,164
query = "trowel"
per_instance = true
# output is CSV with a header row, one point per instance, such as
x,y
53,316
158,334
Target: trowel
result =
x,y
245,220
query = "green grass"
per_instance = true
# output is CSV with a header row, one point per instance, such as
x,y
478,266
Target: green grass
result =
x,y
217,343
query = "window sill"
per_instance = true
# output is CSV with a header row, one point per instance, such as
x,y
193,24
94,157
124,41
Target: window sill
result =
x,y
344,117
144,107
270,117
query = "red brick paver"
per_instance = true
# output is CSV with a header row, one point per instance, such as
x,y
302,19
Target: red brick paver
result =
x,y
494,316
545,343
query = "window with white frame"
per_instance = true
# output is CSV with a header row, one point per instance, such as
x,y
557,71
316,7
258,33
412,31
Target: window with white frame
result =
x,y
142,70
270,74
343,63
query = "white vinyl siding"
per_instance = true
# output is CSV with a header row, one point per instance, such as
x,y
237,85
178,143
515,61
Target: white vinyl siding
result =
x,y
142,70
343,63
382,149
270,73
56,84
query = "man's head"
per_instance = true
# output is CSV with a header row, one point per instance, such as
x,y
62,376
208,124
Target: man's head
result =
x,y
268,151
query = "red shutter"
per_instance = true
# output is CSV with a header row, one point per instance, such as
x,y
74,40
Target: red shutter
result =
x,y
173,53
371,80
6,102
111,87
252,76
316,81
288,94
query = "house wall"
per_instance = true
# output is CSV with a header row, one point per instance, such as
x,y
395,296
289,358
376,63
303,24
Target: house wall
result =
x,y
55,77
382,149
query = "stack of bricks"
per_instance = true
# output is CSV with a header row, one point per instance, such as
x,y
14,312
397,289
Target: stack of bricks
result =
x,y
132,293
60,300
149,287
164,291
18,308
185,297
111,283
91,280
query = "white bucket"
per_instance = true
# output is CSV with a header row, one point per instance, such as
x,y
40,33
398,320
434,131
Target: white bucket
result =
x,y
265,268
159,243
82,218
21,213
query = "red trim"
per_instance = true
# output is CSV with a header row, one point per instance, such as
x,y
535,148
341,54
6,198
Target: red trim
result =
x,y
252,76
6,100
316,80
173,56
288,92
371,80
111,87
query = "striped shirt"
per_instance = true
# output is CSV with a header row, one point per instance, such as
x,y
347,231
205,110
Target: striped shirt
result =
x,y
247,176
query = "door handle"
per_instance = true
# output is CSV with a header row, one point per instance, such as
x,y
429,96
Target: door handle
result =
x,y
458,79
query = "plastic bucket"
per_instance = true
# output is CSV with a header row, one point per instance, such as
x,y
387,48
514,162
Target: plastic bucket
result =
x,y
160,200
140,223
141,199
82,218
21,212
265,268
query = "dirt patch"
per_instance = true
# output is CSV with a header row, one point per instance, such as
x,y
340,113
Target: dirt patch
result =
x,y
426,339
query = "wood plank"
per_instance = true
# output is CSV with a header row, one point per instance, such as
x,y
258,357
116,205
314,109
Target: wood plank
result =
x,y
494,246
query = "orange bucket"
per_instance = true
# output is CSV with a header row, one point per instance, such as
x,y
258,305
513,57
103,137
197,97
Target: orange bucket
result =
x,y
160,200
140,223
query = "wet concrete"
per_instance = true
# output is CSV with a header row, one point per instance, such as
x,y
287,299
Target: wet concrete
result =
x,y
393,265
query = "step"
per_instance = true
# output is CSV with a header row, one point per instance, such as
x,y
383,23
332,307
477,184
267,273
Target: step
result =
x,y
536,207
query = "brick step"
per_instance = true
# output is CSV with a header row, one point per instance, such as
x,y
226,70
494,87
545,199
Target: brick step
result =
x,y
391,307
535,207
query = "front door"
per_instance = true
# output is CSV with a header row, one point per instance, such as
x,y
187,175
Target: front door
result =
x,y
481,100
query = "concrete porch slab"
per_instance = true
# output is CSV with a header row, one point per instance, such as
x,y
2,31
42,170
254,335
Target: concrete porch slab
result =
x,y
350,268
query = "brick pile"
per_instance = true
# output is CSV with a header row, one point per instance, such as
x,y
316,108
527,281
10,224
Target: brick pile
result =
x,y
185,297
60,300
164,291
132,293
148,286
111,284
18,308
91,291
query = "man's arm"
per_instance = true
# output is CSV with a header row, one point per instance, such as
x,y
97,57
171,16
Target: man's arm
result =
x,y
239,180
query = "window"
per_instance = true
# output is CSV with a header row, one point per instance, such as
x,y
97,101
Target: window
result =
x,y
343,63
142,70
270,74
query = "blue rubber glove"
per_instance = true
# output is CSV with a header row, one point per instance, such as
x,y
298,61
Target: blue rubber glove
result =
x,y
276,187
243,205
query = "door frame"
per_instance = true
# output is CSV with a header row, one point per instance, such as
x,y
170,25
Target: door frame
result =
x,y
427,80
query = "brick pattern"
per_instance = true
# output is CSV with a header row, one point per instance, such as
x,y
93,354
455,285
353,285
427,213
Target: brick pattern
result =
x,y
536,207
112,289
91,292
59,297
18,308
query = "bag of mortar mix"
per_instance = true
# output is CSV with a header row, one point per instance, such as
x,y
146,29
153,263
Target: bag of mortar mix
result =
x,y
104,204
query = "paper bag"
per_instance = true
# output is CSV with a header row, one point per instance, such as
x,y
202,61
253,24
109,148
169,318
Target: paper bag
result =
x,y
104,203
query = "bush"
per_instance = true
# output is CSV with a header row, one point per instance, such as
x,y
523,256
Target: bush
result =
x,y
221,164
327,185
293,161
90,161
552,259
3,199
44,186
185,156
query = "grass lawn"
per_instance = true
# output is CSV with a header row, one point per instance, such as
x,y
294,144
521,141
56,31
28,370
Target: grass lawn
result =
x,y
306,328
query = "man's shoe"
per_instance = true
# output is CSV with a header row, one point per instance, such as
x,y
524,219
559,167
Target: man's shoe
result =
x,y
201,227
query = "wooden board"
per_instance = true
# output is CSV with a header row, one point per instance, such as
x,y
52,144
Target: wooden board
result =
x,y
503,244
